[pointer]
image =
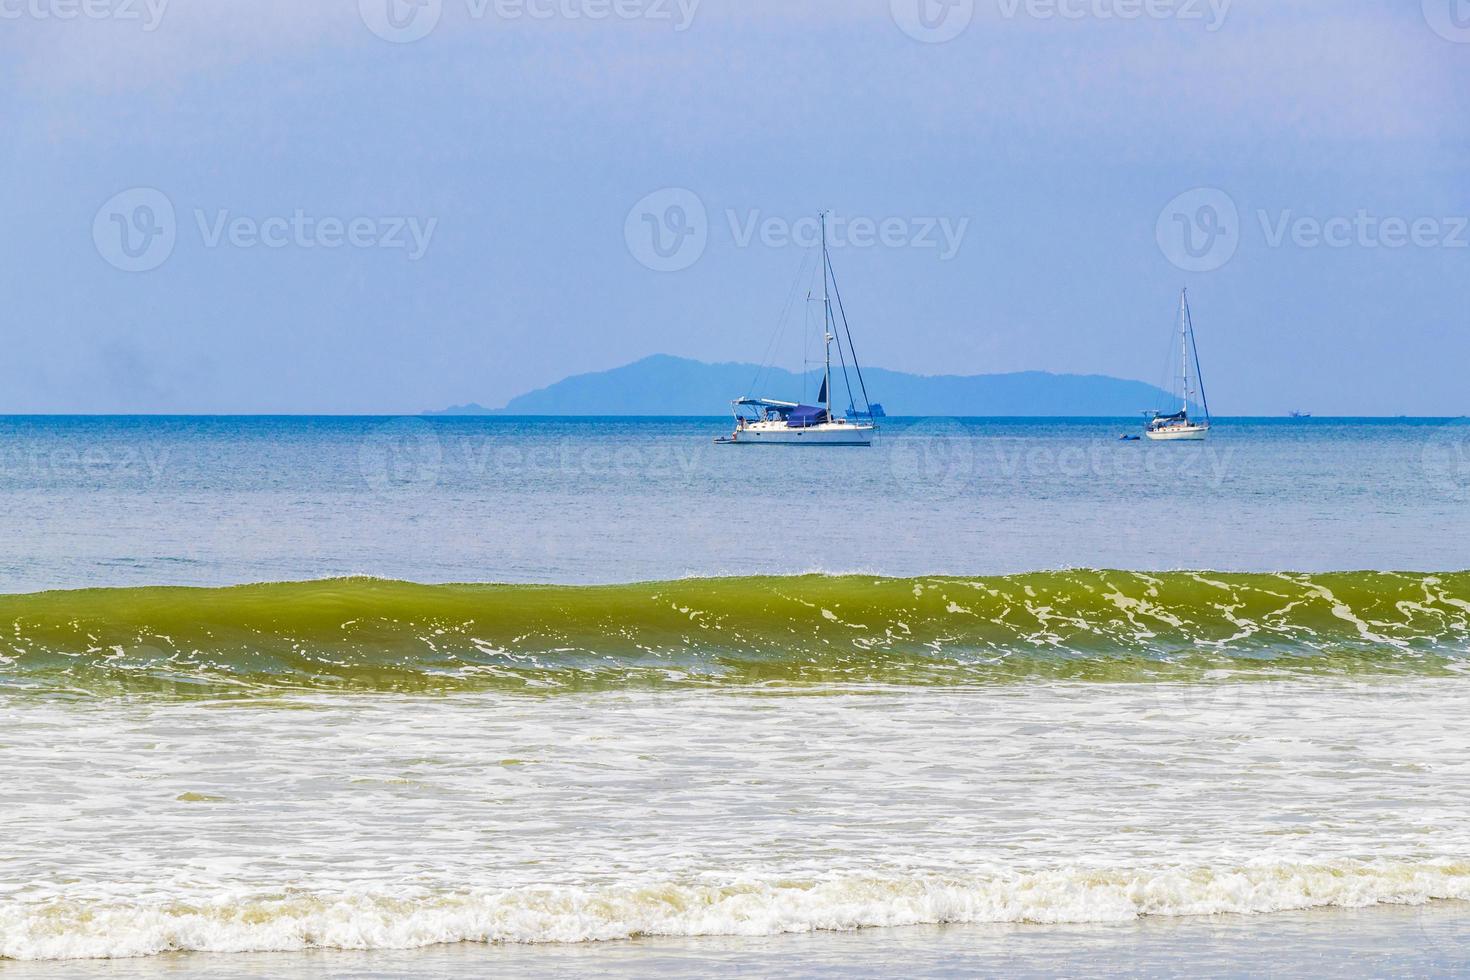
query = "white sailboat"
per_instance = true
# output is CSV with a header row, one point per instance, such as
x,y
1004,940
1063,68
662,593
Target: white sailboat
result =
x,y
1179,426
768,421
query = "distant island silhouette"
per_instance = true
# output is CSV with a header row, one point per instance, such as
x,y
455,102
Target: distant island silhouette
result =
x,y
667,385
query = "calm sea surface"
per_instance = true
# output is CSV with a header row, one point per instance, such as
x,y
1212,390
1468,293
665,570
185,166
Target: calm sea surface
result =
x,y
153,501
1039,701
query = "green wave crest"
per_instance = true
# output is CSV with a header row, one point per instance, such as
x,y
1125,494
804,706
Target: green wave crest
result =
x,y
1084,625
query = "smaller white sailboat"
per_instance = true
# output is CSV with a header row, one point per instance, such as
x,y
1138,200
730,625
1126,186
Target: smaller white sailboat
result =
x,y
768,421
1179,427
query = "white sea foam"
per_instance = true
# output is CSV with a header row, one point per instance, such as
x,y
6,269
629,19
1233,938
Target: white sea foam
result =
x,y
136,826
72,930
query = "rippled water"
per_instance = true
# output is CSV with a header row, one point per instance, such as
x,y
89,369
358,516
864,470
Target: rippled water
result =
x,y
371,765
91,502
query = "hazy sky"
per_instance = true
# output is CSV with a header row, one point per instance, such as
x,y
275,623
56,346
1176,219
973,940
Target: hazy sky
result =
x,y
386,206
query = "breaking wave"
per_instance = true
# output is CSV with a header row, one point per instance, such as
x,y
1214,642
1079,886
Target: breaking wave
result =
x,y
375,635
79,929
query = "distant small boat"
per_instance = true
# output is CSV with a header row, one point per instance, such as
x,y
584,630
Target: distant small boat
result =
x,y
1179,426
1301,415
768,421
1125,437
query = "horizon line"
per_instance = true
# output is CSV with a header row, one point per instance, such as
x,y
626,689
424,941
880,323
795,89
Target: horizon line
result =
x,y
501,413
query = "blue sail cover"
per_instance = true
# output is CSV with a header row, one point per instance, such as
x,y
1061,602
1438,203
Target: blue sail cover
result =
x,y
806,416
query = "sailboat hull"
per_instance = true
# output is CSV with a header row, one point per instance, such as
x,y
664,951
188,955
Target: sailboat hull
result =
x,y
1179,433
781,434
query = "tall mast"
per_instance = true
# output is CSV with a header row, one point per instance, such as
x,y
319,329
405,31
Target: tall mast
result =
x,y
1184,345
826,317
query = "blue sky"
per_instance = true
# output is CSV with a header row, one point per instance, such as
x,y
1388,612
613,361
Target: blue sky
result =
x,y
324,215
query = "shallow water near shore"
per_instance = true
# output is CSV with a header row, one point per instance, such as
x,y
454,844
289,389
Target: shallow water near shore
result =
x,y
390,821
1425,941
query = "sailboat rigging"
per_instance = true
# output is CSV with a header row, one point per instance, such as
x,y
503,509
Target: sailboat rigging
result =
x,y
1179,426
768,421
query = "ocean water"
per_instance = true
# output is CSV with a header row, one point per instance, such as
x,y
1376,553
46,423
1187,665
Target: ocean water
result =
x,y
547,696
158,501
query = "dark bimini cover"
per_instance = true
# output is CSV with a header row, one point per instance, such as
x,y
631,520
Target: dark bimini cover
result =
x,y
806,416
